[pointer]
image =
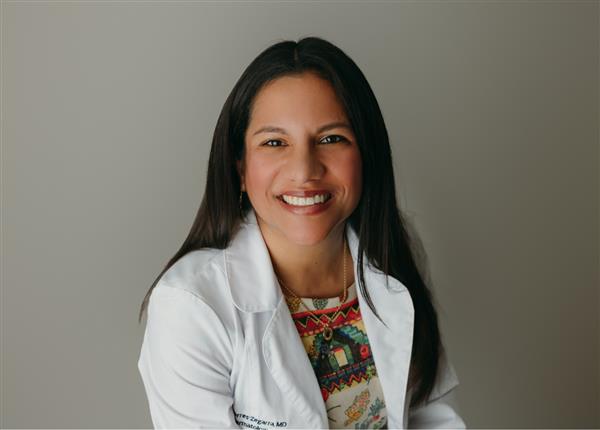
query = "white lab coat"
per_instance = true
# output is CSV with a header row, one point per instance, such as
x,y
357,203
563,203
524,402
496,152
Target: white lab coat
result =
x,y
221,350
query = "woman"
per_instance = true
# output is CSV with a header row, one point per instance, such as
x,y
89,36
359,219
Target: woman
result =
x,y
299,204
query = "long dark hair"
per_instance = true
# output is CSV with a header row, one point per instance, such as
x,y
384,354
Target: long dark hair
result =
x,y
379,223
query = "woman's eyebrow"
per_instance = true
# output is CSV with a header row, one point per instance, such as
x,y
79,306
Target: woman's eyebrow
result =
x,y
275,129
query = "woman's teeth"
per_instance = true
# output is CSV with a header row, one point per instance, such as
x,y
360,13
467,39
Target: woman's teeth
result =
x,y
305,201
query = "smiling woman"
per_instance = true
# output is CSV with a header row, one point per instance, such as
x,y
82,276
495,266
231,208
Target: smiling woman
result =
x,y
295,300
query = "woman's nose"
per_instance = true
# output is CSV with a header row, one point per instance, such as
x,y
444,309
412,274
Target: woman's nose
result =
x,y
304,164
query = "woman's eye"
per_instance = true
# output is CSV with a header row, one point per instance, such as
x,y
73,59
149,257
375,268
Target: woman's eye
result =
x,y
341,138
268,142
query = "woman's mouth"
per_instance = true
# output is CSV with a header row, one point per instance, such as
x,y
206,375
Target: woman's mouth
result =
x,y
305,201
306,205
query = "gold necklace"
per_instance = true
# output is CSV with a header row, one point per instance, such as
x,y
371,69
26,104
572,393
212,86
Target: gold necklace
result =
x,y
327,330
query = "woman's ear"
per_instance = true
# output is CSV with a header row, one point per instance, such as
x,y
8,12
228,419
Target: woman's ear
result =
x,y
240,169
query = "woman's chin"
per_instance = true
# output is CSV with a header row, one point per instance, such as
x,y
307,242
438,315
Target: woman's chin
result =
x,y
300,230
307,235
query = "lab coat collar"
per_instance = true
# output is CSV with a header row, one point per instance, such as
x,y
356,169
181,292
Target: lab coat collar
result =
x,y
252,280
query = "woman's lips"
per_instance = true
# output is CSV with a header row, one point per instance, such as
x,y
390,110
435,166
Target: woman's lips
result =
x,y
306,210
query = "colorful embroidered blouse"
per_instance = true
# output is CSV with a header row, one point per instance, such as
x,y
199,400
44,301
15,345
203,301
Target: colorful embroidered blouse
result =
x,y
343,365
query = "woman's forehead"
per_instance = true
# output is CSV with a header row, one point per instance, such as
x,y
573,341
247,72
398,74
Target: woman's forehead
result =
x,y
291,101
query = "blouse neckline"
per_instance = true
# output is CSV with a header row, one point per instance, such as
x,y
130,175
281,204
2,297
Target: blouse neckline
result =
x,y
317,304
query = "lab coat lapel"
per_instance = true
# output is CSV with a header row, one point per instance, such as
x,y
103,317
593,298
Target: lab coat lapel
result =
x,y
391,346
290,366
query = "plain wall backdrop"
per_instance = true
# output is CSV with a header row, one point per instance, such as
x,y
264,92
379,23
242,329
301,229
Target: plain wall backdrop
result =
x,y
108,110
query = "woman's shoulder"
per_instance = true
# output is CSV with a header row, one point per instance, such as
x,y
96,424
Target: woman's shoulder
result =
x,y
189,323
198,275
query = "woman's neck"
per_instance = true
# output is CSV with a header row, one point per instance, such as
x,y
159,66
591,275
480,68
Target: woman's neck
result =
x,y
311,270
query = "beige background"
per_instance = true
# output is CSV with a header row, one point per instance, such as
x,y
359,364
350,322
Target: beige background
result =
x,y
108,110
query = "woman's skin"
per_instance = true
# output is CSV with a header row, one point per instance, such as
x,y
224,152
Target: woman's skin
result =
x,y
306,249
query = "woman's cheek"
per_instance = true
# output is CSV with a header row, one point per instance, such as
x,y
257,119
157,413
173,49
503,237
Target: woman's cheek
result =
x,y
351,166
259,174
353,173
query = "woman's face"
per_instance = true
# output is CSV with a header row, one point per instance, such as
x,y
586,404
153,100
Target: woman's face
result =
x,y
298,143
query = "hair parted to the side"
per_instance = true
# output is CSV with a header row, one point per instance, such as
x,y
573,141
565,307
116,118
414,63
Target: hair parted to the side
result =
x,y
379,223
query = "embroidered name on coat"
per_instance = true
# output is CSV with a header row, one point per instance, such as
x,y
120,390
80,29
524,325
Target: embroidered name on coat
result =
x,y
252,422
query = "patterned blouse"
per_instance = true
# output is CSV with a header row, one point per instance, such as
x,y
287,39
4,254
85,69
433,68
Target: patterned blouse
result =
x,y
343,365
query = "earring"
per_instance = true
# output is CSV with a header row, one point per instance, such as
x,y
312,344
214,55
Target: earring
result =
x,y
240,201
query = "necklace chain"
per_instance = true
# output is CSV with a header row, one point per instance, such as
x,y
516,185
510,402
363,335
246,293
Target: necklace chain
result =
x,y
327,331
